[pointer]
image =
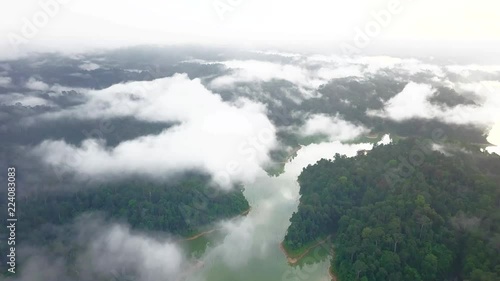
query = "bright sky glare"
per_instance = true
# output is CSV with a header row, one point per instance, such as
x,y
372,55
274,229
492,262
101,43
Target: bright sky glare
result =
x,y
78,24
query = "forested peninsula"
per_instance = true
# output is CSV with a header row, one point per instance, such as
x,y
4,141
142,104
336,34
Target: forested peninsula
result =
x,y
404,212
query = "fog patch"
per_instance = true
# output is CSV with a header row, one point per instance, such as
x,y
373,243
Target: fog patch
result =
x,y
104,251
37,85
386,139
24,100
229,141
413,102
263,71
333,127
5,81
89,66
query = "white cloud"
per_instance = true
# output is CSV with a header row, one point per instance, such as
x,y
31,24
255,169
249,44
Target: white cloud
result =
x,y
413,102
35,84
328,73
493,149
52,90
362,65
310,154
494,134
409,66
108,251
485,113
440,148
253,70
334,127
240,234
26,100
212,135
494,138
386,139
5,81
89,66
118,247
465,70
302,75
278,53
375,63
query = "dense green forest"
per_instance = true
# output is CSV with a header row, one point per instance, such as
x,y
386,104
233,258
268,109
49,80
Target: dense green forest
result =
x,y
181,207
404,212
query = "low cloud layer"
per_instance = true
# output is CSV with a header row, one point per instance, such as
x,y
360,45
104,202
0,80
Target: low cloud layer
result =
x,y
310,72
262,71
333,127
35,84
230,141
25,100
89,66
338,66
106,251
494,138
5,81
494,134
414,102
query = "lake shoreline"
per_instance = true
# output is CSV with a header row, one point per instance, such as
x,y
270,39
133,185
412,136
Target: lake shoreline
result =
x,y
331,274
293,260
203,233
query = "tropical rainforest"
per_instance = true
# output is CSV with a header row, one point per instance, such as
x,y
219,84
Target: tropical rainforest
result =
x,y
403,212
180,207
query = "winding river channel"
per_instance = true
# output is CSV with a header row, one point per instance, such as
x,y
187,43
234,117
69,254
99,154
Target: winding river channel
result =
x,y
247,248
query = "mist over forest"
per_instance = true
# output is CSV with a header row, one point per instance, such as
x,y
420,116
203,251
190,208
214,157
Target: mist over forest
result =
x,y
249,140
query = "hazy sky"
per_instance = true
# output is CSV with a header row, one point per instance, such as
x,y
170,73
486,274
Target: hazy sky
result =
x,y
77,24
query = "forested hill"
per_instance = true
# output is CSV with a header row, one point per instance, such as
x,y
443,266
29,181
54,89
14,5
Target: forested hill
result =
x,y
403,212
183,206
180,207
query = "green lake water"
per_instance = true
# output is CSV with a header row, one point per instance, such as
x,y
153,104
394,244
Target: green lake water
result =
x,y
247,248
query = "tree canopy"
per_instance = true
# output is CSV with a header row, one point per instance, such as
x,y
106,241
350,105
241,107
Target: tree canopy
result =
x,y
395,216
